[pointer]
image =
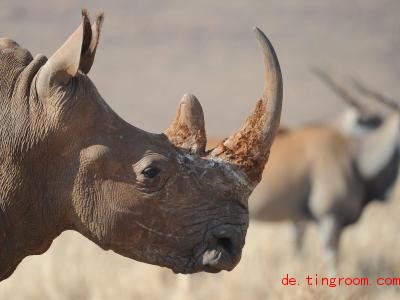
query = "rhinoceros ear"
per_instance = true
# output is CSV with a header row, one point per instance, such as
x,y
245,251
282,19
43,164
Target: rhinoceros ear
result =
x,y
64,63
77,53
87,57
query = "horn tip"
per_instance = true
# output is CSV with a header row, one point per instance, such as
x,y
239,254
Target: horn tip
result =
x,y
189,104
189,98
263,41
260,34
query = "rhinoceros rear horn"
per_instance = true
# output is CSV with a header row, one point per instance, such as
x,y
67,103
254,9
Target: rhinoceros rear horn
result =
x,y
77,53
187,131
249,147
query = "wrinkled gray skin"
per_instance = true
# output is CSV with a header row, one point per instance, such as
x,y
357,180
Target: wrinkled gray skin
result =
x,y
67,161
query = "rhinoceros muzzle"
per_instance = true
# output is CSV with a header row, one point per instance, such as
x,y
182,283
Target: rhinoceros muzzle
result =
x,y
224,249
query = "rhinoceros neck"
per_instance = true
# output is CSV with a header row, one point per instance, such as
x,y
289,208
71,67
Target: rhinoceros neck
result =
x,y
26,223
31,213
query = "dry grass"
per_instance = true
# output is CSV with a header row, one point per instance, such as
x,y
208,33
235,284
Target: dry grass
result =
x,y
74,268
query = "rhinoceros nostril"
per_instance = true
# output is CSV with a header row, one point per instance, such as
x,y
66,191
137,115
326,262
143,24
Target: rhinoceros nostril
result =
x,y
226,244
223,251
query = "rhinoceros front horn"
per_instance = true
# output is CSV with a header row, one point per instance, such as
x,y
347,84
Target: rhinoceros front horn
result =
x,y
249,147
187,131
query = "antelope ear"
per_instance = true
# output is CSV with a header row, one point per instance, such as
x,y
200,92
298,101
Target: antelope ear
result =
x,y
378,147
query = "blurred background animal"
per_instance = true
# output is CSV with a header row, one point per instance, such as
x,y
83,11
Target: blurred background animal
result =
x,y
328,175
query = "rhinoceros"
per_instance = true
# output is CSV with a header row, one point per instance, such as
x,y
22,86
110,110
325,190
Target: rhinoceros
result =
x,y
68,162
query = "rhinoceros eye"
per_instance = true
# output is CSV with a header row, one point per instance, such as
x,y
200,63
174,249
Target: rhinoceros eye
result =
x,y
151,172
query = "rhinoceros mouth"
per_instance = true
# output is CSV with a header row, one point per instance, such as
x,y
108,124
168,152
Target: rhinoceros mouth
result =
x,y
221,250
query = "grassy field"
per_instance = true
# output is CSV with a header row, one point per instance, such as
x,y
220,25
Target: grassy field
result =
x,y
74,268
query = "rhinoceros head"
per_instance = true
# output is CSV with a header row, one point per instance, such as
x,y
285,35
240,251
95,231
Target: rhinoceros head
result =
x,y
157,198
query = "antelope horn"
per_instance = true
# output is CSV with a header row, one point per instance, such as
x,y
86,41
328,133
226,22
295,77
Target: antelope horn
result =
x,y
249,147
187,131
375,95
338,90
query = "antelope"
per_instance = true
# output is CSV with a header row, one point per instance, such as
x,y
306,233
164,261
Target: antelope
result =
x,y
328,175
